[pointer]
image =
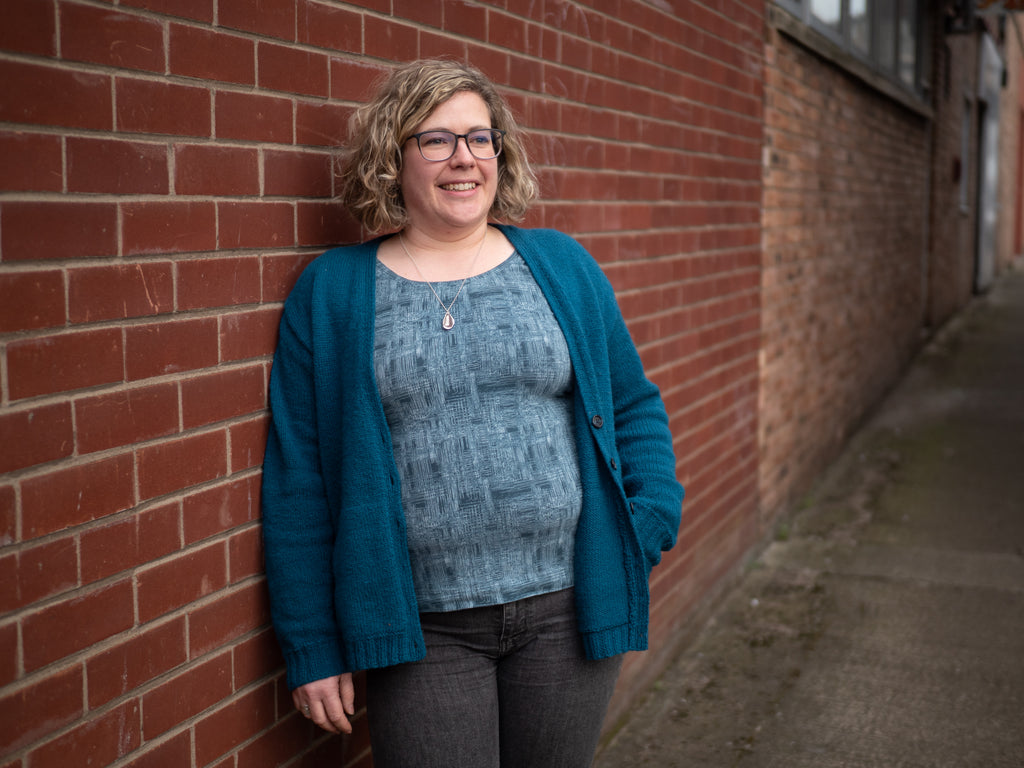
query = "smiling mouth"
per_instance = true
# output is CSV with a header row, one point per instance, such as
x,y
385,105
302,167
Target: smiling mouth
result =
x,y
462,186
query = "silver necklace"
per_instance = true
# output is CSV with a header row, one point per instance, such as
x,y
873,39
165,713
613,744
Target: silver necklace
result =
x,y
448,321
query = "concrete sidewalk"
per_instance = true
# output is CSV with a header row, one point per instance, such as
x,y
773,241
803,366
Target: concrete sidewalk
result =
x,y
885,625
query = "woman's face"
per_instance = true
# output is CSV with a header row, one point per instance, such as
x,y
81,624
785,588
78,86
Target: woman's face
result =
x,y
455,194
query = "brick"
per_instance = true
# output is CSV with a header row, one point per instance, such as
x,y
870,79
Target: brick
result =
x,y
465,18
391,40
245,555
292,70
103,36
39,707
30,300
172,752
235,723
256,657
120,291
140,658
159,349
168,227
383,6
177,464
427,12
218,282
255,225
297,174
275,18
41,571
199,10
187,577
280,274
146,106
96,615
68,497
101,740
492,62
211,55
324,26
57,230
10,589
222,395
215,510
45,95
325,224
30,162
202,169
353,79
116,166
65,362
245,335
125,544
217,624
126,417
8,516
28,26
186,695
35,436
507,31
248,442
441,46
8,653
253,117
321,123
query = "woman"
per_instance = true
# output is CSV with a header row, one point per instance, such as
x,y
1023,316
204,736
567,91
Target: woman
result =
x,y
468,477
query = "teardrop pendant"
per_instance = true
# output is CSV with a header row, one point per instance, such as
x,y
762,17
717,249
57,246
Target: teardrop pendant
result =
x,y
449,322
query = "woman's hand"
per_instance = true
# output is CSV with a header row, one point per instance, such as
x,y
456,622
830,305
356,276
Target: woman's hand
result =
x,y
328,702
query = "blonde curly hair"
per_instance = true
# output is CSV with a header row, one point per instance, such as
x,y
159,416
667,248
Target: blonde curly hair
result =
x,y
371,161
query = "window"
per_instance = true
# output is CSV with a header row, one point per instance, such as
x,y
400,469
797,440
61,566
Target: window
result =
x,y
860,26
885,54
907,42
828,12
888,37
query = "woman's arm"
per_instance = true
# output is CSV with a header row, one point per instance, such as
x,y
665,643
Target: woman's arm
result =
x,y
297,528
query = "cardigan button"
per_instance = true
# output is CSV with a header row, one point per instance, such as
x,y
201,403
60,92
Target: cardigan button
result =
x,y
615,464
632,508
597,421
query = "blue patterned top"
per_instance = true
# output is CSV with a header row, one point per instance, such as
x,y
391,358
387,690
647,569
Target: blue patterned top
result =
x,y
481,421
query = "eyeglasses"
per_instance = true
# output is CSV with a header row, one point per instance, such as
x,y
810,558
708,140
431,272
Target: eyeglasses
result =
x,y
437,146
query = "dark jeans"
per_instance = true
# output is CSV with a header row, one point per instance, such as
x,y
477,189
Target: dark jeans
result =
x,y
503,686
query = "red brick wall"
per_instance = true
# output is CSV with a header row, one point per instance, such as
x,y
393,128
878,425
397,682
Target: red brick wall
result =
x,y
845,236
165,173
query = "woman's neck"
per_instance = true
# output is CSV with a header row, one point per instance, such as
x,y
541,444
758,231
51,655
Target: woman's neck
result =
x,y
439,258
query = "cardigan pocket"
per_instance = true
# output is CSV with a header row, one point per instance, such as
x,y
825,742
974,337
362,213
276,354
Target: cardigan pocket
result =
x,y
643,525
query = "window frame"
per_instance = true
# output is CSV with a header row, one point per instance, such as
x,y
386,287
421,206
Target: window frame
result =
x,y
839,46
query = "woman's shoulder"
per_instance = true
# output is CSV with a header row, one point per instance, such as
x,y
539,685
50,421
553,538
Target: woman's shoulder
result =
x,y
345,255
551,248
541,238
340,262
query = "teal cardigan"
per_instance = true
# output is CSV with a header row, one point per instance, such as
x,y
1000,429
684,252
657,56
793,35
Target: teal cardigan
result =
x,y
341,590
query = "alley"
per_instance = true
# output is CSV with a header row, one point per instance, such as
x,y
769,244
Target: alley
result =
x,y
884,626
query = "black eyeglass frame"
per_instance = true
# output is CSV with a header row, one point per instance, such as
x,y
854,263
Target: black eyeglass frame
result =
x,y
455,144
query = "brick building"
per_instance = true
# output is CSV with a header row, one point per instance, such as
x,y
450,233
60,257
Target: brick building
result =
x,y
875,195
781,217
